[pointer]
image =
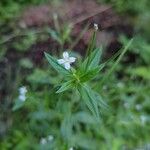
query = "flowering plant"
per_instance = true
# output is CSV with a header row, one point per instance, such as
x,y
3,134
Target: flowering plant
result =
x,y
78,79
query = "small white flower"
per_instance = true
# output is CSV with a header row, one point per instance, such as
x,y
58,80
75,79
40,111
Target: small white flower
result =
x,y
22,93
66,61
43,141
71,148
23,90
50,138
95,26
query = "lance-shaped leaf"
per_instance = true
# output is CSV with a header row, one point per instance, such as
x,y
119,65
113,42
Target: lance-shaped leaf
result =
x,y
90,74
100,101
88,96
65,86
66,127
92,60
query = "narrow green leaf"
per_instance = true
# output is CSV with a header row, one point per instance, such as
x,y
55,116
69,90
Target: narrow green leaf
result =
x,y
92,60
116,63
83,117
55,36
59,68
83,31
66,32
65,86
100,101
66,127
90,100
95,58
89,74
91,44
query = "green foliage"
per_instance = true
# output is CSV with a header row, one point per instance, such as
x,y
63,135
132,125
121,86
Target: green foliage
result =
x,y
88,107
92,60
26,63
61,35
89,69
131,7
65,86
10,9
39,77
140,47
24,43
141,71
89,75
90,100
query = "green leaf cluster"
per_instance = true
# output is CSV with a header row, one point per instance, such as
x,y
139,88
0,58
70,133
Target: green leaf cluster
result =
x,y
78,79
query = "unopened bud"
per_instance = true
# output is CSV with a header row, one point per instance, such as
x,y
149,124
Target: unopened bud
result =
x,y
95,26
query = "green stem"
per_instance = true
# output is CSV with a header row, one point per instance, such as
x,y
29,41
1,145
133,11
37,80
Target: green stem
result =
x,y
91,44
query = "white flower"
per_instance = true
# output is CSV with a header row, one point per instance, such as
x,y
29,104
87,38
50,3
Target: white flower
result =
x,y
50,138
46,139
43,141
71,148
23,90
66,61
95,26
22,93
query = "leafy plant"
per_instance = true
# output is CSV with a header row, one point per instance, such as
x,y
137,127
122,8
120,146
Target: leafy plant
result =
x,y
78,79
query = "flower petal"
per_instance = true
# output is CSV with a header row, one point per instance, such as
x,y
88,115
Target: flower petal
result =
x,y
22,90
67,65
72,59
43,141
65,55
22,97
95,26
61,61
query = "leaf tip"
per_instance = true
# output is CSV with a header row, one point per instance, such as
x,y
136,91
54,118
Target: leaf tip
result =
x,y
45,54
